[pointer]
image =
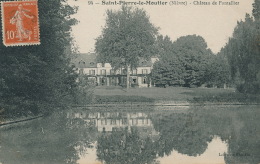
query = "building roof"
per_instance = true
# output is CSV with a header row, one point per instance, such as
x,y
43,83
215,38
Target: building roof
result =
x,y
89,60
145,63
85,60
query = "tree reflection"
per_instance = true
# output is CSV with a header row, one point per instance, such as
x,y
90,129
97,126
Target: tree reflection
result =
x,y
244,145
53,140
58,139
123,147
186,133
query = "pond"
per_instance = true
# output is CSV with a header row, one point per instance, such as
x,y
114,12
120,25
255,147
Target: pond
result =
x,y
199,134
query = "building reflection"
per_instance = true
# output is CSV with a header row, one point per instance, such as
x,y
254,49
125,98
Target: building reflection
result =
x,y
114,121
136,137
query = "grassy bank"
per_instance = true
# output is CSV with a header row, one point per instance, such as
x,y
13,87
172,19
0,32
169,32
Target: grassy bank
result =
x,y
223,96
176,94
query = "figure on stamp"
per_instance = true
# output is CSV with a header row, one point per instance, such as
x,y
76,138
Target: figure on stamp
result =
x,y
18,20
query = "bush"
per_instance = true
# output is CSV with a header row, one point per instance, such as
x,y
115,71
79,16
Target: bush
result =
x,y
252,87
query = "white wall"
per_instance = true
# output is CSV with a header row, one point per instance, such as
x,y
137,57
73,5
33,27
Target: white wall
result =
x,y
139,70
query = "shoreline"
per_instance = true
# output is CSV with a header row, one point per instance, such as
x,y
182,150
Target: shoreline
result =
x,y
20,120
139,106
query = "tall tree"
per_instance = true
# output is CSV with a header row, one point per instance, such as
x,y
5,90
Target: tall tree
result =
x,y
164,46
193,53
127,36
218,71
184,62
36,78
168,70
256,9
243,51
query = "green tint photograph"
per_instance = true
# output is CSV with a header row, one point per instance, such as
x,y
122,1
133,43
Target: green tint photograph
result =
x,y
130,82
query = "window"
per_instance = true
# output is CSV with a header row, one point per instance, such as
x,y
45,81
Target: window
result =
x,y
112,72
103,72
124,121
102,114
92,72
103,122
103,81
82,63
144,80
124,71
103,64
81,71
134,80
144,71
113,122
134,72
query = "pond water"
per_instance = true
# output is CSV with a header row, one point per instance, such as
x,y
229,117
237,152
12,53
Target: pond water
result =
x,y
197,135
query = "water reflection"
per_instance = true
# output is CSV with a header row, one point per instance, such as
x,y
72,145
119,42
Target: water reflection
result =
x,y
210,156
111,121
200,134
53,140
185,132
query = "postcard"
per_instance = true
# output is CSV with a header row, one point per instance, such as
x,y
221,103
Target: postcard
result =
x,y
130,82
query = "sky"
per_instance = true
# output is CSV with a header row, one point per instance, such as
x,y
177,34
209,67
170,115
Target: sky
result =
x,y
215,23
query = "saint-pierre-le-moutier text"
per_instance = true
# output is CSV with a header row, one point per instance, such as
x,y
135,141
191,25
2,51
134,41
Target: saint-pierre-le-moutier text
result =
x,y
149,2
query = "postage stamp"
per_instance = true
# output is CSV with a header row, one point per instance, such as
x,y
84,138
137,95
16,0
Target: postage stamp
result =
x,y
20,23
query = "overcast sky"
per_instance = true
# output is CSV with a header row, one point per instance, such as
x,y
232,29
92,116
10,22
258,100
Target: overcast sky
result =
x,y
214,23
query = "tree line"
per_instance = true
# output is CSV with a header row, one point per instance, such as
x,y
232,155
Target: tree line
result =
x,y
129,35
188,62
243,52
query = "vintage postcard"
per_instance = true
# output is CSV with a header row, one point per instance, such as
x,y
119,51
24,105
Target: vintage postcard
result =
x,y
130,82
20,23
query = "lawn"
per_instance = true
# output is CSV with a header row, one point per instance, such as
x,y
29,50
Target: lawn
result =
x,y
176,94
148,93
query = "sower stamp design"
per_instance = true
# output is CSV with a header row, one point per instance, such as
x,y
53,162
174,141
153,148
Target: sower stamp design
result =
x,y
20,23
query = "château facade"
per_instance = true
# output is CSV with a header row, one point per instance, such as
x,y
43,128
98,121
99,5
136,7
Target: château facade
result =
x,y
102,74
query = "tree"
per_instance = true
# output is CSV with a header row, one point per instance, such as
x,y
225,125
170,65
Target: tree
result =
x,y
243,51
218,71
185,62
256,9
194,55
127,36
164,46
34,79
168,70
